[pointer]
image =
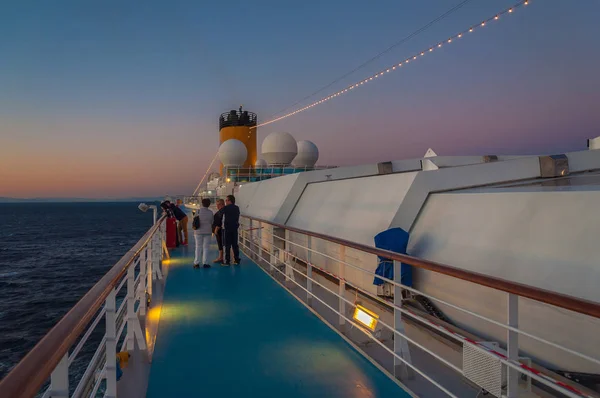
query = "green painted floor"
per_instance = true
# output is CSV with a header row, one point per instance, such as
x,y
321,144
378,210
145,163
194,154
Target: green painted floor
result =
x,y
234,332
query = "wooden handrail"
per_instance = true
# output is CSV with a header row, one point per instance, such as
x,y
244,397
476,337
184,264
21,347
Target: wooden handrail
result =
x,y
544,296
26,378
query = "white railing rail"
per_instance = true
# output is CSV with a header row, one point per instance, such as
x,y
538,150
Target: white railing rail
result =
x,y
261,242
51,357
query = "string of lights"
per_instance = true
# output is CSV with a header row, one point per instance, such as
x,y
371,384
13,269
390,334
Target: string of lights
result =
x,y
399,65
390,69
206,174
379,55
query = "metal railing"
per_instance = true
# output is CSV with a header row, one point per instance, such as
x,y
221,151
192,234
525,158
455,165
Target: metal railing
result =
x,y
270,244
195,202
50,358
243,175
237,118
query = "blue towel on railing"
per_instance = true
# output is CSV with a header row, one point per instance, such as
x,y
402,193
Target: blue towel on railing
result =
x,y
395,240
119,371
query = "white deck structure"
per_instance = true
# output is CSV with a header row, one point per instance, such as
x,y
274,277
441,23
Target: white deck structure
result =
x,y
529,219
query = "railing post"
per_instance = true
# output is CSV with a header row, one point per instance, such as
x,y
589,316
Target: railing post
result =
x,y
134,328
244,235
149,268
143,282
401,349
342,287
153,250
157,247
513,345
254,238
309,276
272,251
289,273
59,380
247,241
111,346
130,306
260,246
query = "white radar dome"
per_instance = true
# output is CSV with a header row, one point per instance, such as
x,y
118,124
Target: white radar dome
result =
x,y
260,163
233,153
279,148
307,156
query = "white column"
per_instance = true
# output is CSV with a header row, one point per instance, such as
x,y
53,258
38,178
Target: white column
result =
x,y
513,345
59,380
111,346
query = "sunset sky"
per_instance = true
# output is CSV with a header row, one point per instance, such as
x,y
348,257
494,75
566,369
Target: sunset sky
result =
x,y
119,99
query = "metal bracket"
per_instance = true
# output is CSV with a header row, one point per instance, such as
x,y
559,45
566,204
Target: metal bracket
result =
x,y
554,166
385,168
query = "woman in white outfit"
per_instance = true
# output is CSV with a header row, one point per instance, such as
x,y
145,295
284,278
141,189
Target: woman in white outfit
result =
x,y
202,226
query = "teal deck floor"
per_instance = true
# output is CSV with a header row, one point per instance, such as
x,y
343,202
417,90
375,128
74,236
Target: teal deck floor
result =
x,y
233,331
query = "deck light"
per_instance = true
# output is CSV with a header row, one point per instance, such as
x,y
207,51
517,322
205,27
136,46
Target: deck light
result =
x,y
365,317
144,207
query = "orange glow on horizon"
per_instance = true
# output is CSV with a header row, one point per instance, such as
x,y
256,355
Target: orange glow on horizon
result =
x,y
41,160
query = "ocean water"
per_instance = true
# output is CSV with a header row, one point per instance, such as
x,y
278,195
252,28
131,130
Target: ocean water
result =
x,y
51,254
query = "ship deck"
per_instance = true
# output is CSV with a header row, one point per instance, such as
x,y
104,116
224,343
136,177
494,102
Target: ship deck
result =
x,y
233,331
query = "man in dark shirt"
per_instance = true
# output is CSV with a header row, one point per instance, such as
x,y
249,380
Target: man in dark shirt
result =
x,y
231,223
218,230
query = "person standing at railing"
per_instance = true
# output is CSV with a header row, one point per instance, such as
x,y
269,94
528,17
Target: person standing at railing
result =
x,y
231,223
202,226
182,223
180,216
217,229
166,206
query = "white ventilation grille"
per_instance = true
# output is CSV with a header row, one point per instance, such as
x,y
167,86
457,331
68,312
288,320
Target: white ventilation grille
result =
x,y
483,369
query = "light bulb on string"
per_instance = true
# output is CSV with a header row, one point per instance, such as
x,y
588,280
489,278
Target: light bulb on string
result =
x,y
470,30
407,60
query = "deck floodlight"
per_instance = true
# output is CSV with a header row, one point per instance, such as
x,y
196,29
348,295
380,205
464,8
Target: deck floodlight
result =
x,y
365,317
144,208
